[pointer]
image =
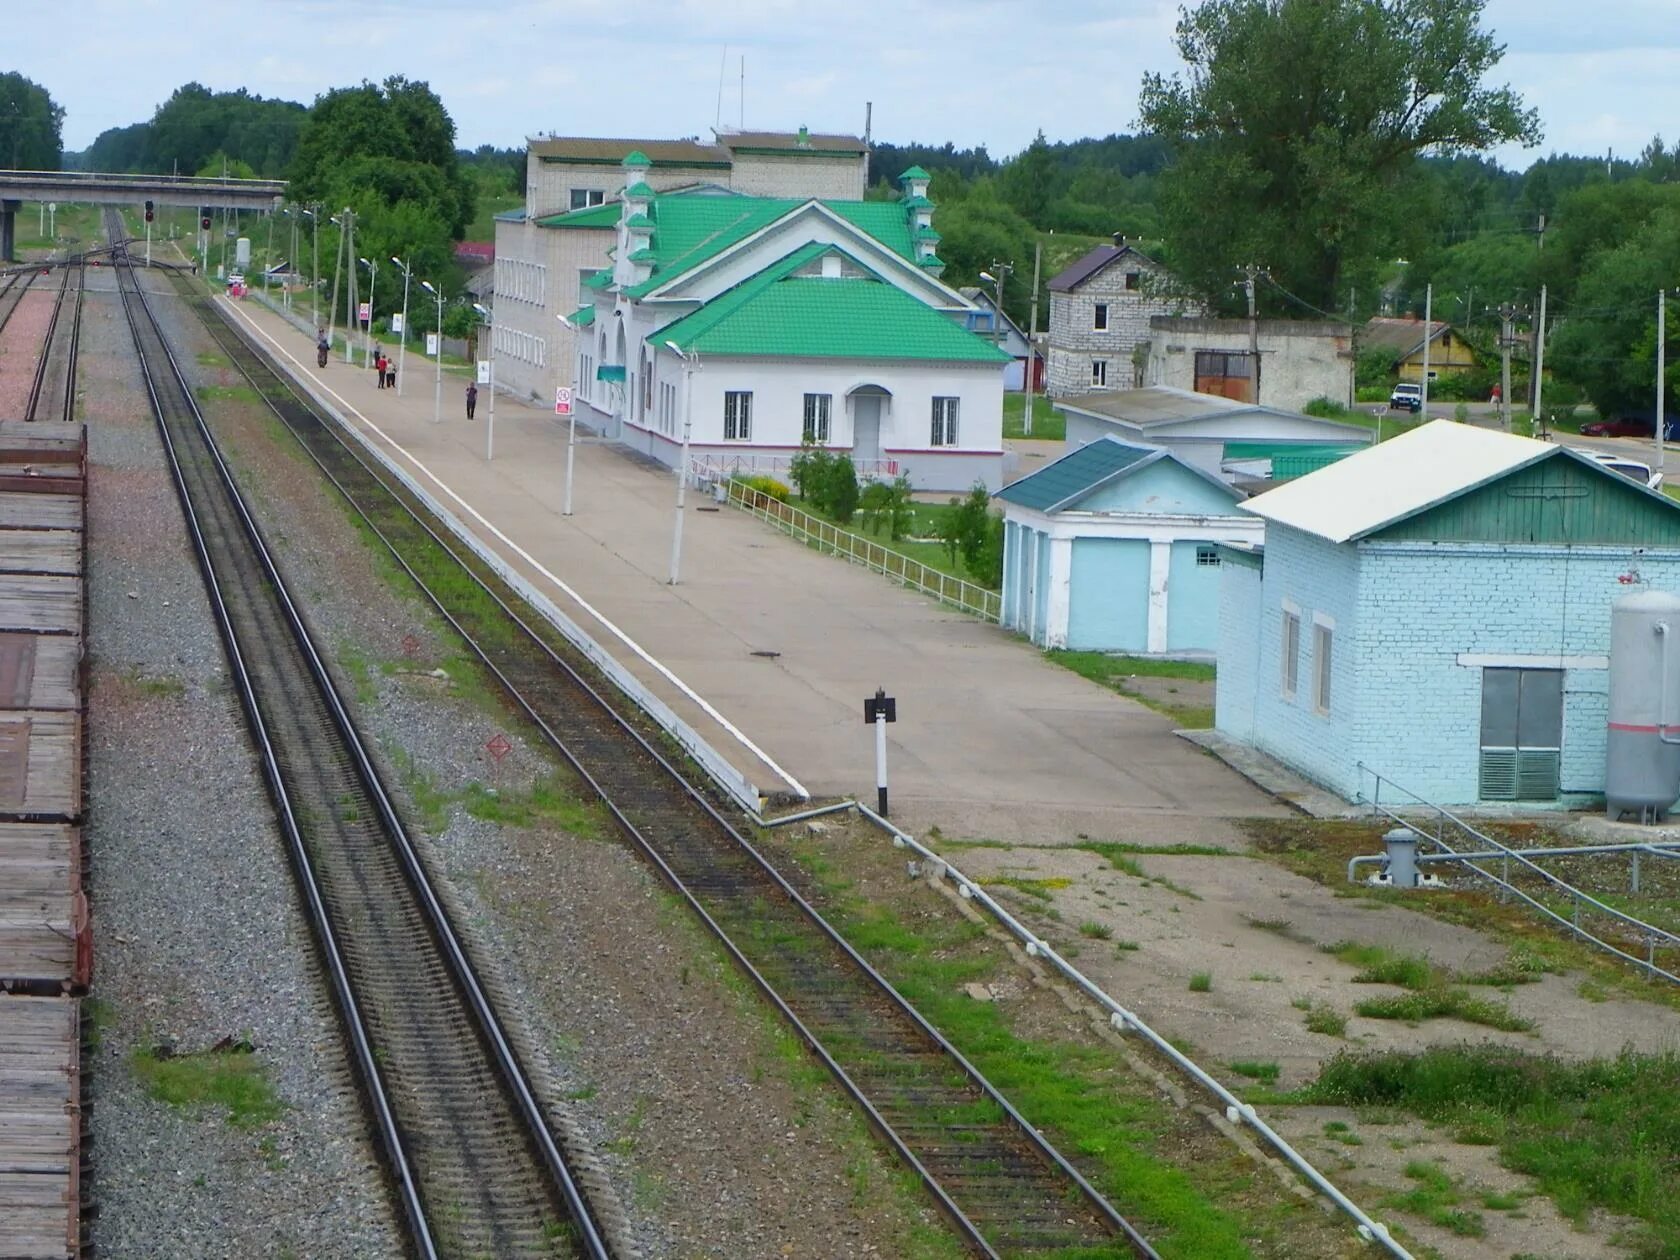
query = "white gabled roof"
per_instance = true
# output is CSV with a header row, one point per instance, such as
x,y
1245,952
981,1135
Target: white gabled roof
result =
x,y
1395,479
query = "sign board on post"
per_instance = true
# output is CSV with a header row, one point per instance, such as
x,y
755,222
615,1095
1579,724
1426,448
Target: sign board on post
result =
x,y
562,400
364,311
878,710
484,371
432,344
397,323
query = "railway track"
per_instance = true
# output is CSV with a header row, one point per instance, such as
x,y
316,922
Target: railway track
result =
x,y
12,288
1002,1185
52,394
475,1166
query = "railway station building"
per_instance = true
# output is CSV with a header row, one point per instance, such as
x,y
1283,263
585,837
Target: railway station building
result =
x,y
768,322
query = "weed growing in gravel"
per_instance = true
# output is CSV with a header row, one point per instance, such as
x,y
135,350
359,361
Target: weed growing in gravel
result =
x,y
233,1079
1095,930
1255,1071
227,394
1443,1004
1041,889
1201,982
1380,965
1324,1019
430,803
1434,1197
1126,947
548,802
1339,1131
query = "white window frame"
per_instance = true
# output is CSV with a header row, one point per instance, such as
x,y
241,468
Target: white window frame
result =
x,y
1323,663
1099,317
1289,651
737,415
586,295
1099,373
591,197
818,409
946,411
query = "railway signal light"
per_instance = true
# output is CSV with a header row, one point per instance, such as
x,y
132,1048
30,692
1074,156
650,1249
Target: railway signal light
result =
x,y
204,217
148,212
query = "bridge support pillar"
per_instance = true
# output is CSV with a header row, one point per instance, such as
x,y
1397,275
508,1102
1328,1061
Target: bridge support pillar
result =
x,y
8,230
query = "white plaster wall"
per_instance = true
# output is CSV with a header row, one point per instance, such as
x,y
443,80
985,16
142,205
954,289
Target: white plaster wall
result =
x,y
838,177
1295,367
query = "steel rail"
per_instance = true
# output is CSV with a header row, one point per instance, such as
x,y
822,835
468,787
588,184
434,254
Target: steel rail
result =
x,y
37,387
487,1024
225,332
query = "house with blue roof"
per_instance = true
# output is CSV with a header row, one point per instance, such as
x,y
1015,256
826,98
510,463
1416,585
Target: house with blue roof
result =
x,y
820,321
1435,610
1116,547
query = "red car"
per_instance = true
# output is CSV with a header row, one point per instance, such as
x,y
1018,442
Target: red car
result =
x,y
1618,428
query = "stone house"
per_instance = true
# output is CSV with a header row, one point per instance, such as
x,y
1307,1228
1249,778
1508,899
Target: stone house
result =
x,y
546,250
1436,609
1299,360
1100,309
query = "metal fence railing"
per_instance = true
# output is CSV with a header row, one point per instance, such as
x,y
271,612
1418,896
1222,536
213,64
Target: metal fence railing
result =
x,y
1573,909
717,467
816,532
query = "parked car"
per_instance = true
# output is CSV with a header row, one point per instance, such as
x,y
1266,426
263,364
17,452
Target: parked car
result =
x,y
1407,397
1621,426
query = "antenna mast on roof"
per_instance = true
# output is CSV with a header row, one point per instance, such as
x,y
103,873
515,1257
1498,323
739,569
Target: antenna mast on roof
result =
x,y
723,67
868,121
743,91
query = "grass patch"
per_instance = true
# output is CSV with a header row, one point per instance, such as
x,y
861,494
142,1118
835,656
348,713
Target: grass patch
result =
x,y
230,1079
1201,982
1379,965
1114,672
1415,1008
1038,889
1048,424
209,358
1126,947
227,394
1434,1197
1095,930
166,686
1255,1071
548,802
1598,1134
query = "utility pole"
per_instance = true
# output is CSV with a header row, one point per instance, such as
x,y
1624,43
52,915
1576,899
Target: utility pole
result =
x,y
1428,322
1032,342
338,266
350,320
1662,371
1253,337
1506,341
1539,362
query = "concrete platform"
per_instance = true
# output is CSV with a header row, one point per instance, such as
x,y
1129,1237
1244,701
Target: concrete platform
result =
x,y
992,740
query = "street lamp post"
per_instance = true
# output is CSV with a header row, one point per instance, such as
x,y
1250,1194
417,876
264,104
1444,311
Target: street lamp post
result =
x,y
490,434
315,267
571,436
691,364
372,264
402,346
437,390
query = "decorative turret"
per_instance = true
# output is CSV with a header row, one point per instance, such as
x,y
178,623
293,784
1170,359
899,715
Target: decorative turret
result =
x,y
633,259
919,210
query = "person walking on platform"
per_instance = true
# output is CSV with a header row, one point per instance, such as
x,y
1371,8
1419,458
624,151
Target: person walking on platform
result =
x,y
378,366
472,398
321,347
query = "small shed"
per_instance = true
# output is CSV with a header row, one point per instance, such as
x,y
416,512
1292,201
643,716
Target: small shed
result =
x,y
1114,548
1436,610
1403,340
1205,431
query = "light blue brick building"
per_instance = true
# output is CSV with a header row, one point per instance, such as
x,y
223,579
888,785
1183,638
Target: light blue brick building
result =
x,y
1114,548
1437,608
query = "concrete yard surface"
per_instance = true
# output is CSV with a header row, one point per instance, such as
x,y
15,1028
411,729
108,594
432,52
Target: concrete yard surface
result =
x,y
776,647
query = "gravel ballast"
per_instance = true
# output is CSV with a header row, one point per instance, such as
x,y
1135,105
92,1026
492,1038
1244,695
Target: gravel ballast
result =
x,y
197,932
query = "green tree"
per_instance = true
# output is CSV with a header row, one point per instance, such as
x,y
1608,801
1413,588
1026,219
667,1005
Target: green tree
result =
x,y
1298,127
31,125
1030,182
980,230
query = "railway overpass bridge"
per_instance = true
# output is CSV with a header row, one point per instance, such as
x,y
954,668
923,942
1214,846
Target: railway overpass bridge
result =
x,y
16,187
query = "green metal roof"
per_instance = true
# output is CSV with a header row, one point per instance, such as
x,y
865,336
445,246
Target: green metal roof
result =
x,y
693,229
915,203
610,372
601,216
639,221
1077,473
1293,459
636,158
778,313
915,172
643,255
640,192
932,260
928,234
582,317
600,280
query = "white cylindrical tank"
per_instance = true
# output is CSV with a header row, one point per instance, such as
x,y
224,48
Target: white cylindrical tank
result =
x,y
1642,771
242,251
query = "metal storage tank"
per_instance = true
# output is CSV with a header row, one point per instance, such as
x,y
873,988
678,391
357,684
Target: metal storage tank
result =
x,y
1642,772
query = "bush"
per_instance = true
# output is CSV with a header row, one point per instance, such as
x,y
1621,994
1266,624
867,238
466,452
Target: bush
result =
x,y
974,533
764,485
1324,408
840,489
809,472
887,503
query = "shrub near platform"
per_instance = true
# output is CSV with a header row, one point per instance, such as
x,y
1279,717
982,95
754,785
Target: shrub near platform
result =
x,y
764,485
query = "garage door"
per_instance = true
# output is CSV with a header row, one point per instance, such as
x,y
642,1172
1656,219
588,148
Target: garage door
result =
x,y
1108,599
1193,598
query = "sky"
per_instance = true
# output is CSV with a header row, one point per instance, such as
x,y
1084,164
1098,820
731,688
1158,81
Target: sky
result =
x,y
993,72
